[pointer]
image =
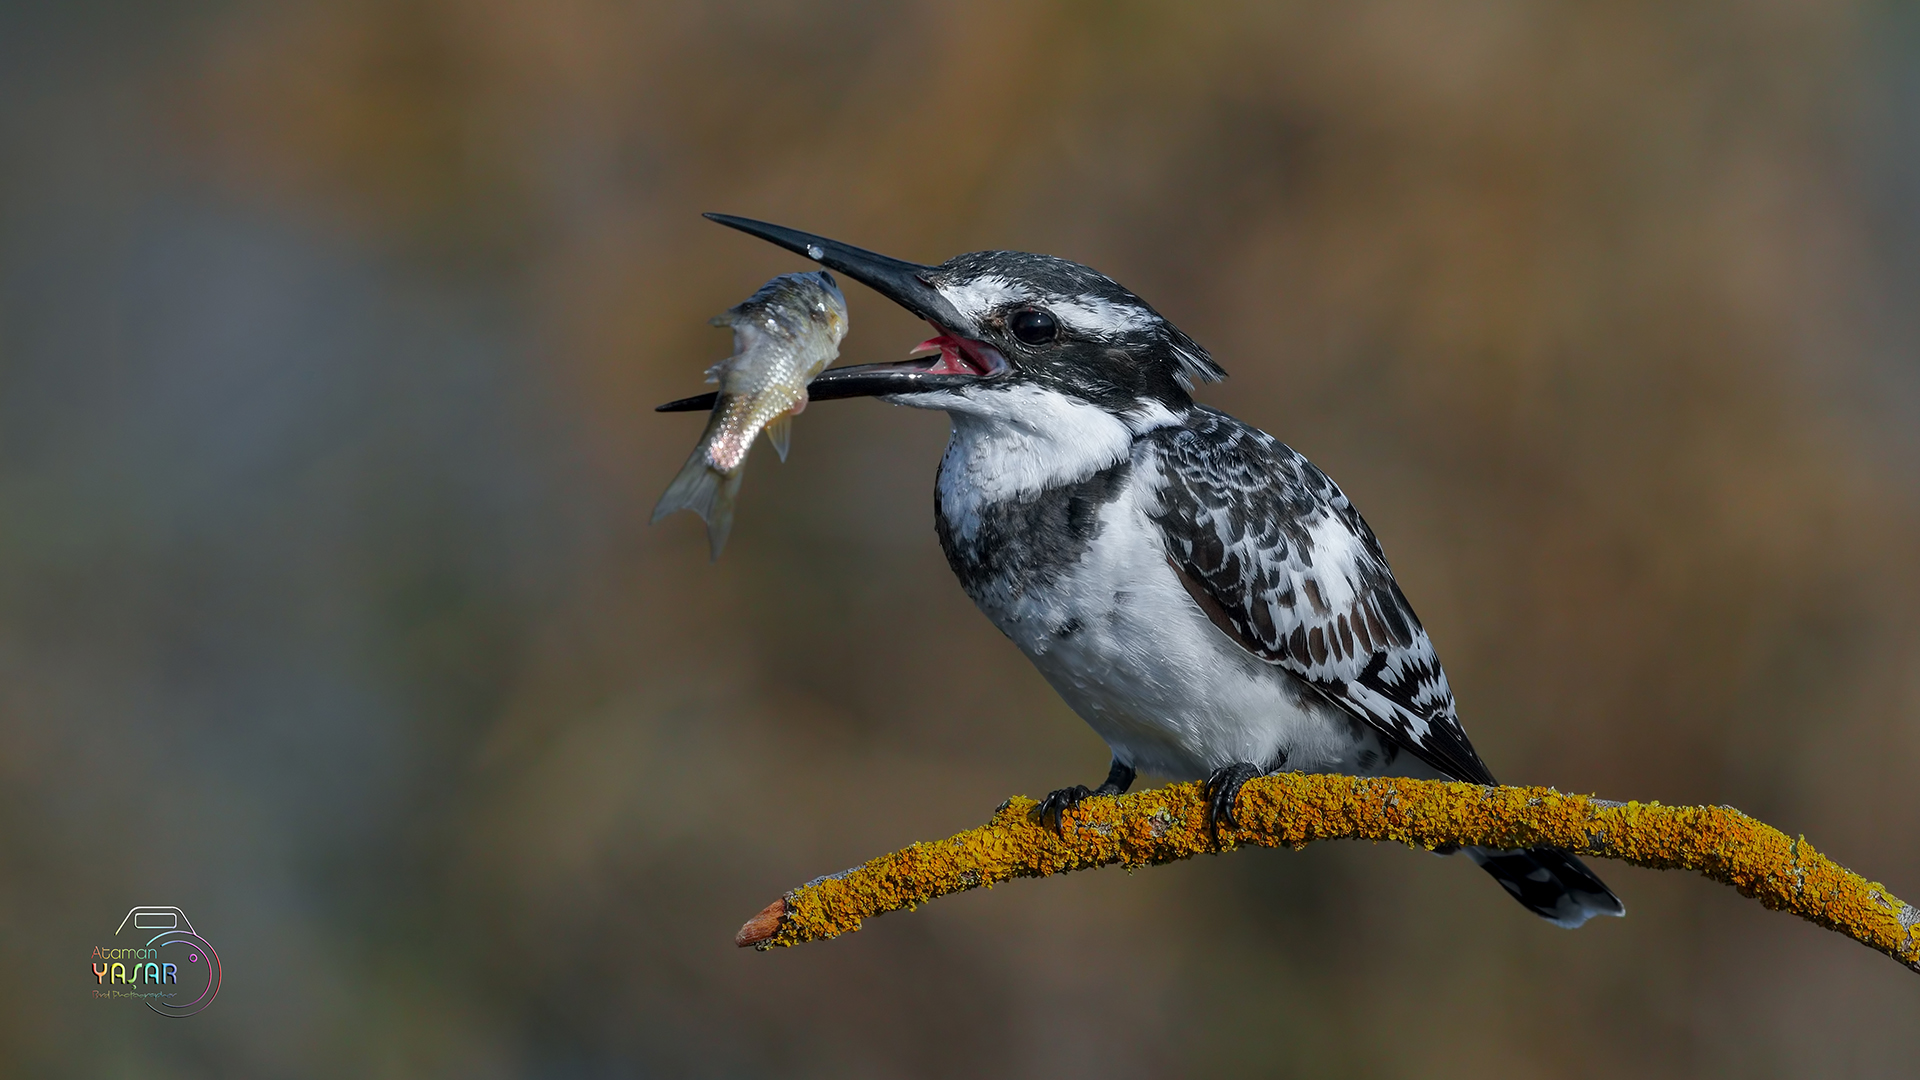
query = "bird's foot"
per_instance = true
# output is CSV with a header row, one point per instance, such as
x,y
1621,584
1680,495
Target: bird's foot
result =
x,y
1057,803
1054,807
1223,790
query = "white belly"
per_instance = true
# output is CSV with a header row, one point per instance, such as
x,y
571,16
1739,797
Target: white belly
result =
x,y
1120,639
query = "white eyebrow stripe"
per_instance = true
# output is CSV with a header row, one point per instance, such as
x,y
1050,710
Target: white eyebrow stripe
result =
x,y
984,294
1100,317
990,293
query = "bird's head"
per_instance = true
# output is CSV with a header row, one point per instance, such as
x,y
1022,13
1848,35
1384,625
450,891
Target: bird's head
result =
x,y
1009,328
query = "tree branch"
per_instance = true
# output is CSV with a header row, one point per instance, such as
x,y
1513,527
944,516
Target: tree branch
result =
x,y
1293,809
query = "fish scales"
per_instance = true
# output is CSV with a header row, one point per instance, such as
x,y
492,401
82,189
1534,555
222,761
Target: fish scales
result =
x,y
786,333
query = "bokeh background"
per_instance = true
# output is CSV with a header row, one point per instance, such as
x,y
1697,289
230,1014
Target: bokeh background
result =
x,y
329,610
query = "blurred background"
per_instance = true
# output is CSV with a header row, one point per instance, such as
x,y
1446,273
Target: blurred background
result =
x,y
329,611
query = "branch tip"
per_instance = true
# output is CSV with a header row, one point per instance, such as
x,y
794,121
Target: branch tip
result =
x,y
762,926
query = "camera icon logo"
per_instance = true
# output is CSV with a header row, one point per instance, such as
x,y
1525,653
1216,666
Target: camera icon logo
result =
x,y
174,972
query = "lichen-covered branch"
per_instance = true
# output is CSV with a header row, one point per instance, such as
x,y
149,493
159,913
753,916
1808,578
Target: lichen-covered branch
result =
x,y
1293,809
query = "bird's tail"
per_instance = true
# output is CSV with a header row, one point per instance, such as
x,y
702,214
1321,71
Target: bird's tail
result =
x,y
706,491
1551,883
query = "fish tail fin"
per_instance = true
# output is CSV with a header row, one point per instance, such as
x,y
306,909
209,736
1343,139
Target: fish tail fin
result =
x,y
706,491
780,433
719,516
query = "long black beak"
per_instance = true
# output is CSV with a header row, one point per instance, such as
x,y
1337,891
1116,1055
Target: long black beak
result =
x,y
854,380
902,282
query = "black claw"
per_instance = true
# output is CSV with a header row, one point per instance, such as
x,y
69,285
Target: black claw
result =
x,y
1057,803
1223,790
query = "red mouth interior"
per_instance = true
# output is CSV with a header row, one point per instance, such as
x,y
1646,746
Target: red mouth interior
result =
x,y
961,356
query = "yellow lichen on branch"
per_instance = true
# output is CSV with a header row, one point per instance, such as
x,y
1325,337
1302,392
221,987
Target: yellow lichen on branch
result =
x,y
1293,809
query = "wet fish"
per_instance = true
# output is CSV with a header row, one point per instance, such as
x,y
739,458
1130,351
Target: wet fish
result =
x,y
783,335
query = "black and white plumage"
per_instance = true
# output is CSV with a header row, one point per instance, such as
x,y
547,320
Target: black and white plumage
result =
x,y
1279,559
1202,595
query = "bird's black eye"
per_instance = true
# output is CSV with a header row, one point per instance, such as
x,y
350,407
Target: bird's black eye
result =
x,y
1033,326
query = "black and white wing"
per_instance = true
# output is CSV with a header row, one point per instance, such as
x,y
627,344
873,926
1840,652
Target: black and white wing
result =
x,y
1279,560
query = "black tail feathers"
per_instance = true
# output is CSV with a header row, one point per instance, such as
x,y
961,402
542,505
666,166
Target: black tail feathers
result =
x,y
1551,883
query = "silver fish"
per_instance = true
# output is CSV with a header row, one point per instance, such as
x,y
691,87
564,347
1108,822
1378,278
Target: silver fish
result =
x,y
783,335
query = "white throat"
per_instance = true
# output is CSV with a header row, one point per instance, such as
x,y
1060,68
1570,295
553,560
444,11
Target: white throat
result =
x,y
1018,441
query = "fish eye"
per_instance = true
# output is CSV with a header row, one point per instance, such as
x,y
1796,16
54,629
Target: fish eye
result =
x,y
1033,326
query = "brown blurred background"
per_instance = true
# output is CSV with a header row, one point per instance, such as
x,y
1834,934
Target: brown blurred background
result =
x,y
329,611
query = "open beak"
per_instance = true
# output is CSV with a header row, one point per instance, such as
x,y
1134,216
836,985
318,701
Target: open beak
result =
x,y
961,360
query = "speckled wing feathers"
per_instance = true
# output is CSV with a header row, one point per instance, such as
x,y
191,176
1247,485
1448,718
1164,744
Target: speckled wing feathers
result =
x,y
1296,576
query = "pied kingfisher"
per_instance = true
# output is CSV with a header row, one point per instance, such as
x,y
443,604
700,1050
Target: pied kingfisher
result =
x,y
1201,594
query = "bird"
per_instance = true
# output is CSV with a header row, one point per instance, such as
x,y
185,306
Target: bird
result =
x,y
1208,600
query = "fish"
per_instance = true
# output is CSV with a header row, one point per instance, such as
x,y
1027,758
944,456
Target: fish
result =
x,y
786,333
